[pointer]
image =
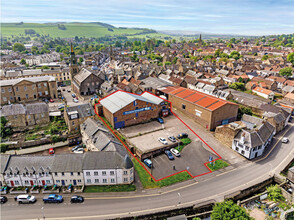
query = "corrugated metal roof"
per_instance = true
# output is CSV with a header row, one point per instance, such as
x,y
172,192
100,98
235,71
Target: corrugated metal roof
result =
x,y
185,93
194,98
206,102
216,105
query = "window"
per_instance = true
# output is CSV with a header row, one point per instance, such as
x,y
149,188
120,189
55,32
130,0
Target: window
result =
x,y
259,147
48,181
25,88
112,180
16,182
125,179
11,97
33,87
183,106
57,181
125,172
9,90
112,173
56,174
4,99
237,148
79,181
93,84
103,173
95,173
23,174
42,115
39,86
96,180
40,93
242,152
45,84
97,83
88,84
135,103
46,92
87,173
115,119
88,180
15,116
247,148
79,173
26,182
104,180
27,96
71,173
16,88
53,85
62,173
3,90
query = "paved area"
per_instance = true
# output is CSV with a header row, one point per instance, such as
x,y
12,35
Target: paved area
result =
x,y
192,159
57,150
68,97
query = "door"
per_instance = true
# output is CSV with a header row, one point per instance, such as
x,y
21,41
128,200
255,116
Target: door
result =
x,y
62,182
256,154
119,124
12,183
74,182
43,182
31,182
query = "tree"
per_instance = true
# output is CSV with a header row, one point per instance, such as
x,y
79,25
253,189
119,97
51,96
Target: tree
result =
x,y
23,61
290,58
175,59
4,131
235,54
229,210
238,86
44,67
275,193
243,110
264,57
287,71
18,47
81,59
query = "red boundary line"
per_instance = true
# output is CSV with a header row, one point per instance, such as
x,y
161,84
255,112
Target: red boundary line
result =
x,y
205,164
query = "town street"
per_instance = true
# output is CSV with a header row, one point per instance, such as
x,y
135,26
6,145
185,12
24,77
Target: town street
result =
x,y
210,187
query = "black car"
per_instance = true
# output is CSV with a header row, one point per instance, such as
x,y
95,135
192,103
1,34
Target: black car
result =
x,y
77,199
182,135
3,199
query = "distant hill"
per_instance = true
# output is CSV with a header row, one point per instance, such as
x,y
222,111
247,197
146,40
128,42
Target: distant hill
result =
x,y
69,30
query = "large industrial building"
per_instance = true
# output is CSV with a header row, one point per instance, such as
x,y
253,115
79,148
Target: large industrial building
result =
x,y
123,109
206,110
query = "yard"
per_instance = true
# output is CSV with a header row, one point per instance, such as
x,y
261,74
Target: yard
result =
x,y
148,182
110,188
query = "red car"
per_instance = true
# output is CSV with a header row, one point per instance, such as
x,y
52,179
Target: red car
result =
x,y
51,100
51,151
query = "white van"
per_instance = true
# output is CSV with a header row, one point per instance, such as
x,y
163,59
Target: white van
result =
x,y
25,199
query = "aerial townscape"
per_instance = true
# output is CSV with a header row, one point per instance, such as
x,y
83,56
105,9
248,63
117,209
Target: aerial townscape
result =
x,y
157,119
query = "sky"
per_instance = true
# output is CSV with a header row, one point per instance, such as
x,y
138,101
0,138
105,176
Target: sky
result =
x,y
244,17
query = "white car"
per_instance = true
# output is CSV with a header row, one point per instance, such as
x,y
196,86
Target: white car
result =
x,y
75,100
163,141
25,199
285,140
79,151
175,152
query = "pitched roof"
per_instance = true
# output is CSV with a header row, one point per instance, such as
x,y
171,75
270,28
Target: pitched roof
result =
x,y
37,108
15,109
82,75
84,110
262,90
67,163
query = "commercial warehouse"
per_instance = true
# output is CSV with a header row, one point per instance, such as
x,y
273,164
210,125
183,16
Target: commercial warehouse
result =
x,y
123,109
207,110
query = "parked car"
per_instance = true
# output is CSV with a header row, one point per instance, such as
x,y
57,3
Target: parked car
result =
x,y
73,95
76,147
94,97
160,120
75,100
285,140
51,151
162,140
77,199
68,90
63,89
79,151
182,135
21,199
53,198
169,155
148,162
3,199
51,100
61,106
45,100
172,138
175,152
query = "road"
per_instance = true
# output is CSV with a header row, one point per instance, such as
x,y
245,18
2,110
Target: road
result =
x,y
150,201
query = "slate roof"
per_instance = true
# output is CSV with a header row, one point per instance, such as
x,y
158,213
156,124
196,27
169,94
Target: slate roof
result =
x,y
12,82
67,163
84,110
105,160
4,159
15,109
37,108
251,121
82,75
154,83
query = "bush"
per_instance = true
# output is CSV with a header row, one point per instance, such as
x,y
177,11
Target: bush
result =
x,y
3,148
275,193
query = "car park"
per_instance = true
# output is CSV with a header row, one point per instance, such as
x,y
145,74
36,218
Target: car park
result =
x,y
169,154
160,120
148,162
285,140
182,135
53,198
162,140
79,151
22,199
3,199
172,138
76,199
175,152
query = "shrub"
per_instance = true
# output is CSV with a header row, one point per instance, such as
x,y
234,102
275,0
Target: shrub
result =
x,y
275,193
3,148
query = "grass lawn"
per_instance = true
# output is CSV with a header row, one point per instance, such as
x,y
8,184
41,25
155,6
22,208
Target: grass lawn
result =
x,y
114,188
218,164
149,183
185,142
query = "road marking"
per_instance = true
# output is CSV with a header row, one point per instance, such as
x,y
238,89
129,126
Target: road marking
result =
x,y
226,172
274,146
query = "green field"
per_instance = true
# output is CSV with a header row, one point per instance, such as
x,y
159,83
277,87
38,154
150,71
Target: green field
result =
x,y
72,30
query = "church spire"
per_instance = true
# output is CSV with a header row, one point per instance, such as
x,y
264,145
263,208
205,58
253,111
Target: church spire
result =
x,y
200,41
71,48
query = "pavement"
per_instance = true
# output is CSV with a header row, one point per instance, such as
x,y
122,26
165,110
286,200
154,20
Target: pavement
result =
x,y
214,186
31,150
